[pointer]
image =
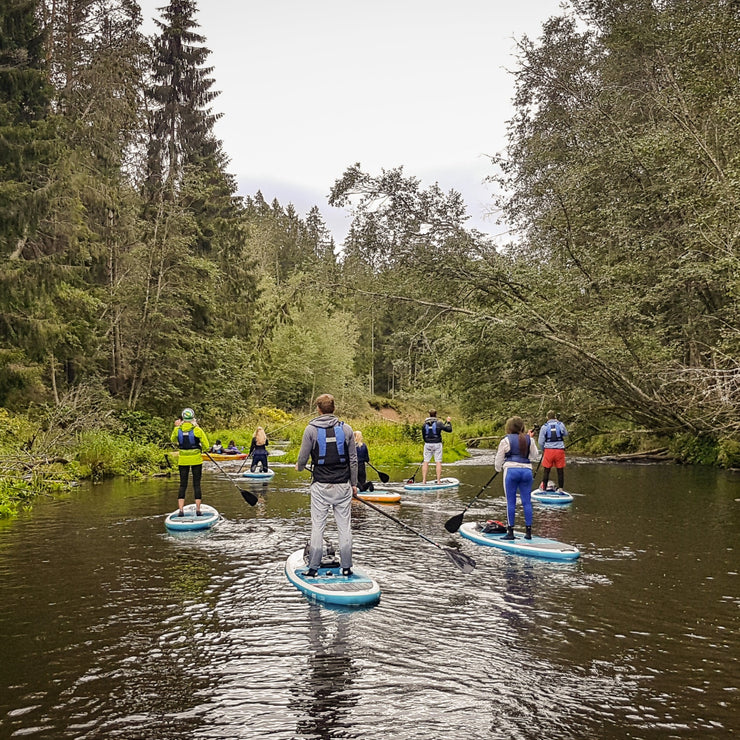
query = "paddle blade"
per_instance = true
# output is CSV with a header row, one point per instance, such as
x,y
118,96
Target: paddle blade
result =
x,y
249,497
384,477
460,559
454,523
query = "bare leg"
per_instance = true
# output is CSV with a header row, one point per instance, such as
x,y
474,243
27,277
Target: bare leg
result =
x,y
424,468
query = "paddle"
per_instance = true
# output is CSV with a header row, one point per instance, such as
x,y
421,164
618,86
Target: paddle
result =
x,y
243,461
248,496
411,479
455,522
384,477
460,559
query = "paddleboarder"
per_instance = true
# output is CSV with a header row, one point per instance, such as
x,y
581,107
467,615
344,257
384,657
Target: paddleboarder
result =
x,y
191,440
552,444
330,444
363,457
431,432
515,454
258,450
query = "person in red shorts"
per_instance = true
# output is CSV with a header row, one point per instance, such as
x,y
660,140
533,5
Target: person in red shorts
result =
x,y
551,442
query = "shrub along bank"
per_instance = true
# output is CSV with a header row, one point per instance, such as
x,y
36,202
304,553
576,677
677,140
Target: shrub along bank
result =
x,y
46,454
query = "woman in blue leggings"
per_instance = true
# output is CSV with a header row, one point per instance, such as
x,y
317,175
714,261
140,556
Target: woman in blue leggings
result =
x,y
515,454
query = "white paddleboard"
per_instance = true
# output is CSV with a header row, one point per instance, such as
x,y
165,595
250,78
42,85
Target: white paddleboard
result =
x,y
433,485
539,547
329,586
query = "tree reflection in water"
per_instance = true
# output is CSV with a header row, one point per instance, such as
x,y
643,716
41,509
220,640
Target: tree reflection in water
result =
x,y
325,697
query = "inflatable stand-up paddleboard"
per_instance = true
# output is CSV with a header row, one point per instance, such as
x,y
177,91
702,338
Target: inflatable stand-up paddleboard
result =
x,y
329,586
538,547
433,485
379,497
266,475
190,522
551,497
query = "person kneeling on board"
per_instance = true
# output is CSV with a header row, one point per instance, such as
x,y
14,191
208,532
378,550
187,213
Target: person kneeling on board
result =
x,y
515,454
330,444
363,457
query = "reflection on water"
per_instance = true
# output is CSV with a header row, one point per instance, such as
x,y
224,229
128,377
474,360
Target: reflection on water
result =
x,y
114,628
325,696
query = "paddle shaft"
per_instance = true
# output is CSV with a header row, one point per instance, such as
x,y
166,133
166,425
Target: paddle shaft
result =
x,y
243,461
248,496
485,485
398,521
412,479
295,421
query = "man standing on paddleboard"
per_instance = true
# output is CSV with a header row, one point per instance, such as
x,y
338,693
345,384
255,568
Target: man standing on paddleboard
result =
x,y
431,433
330,444
551,441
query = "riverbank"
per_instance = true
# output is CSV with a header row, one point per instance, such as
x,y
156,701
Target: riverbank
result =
x,y
42,458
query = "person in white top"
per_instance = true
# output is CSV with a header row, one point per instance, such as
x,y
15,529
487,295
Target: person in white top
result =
x,y
515,454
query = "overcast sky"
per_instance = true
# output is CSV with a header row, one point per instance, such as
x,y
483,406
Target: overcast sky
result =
x,y
309,87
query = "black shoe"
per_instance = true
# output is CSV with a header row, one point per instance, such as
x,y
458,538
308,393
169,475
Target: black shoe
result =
x,y
311,573
181,513
198,513
346,572
528,535
509,534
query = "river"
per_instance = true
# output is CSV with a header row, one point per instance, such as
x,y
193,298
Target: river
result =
x,y
114,628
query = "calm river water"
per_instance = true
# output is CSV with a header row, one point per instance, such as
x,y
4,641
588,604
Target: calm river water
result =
x,y
113,628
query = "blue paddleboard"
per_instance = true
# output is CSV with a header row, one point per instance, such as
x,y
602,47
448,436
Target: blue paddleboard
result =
x,y
538,547
330,586
258,476
190,522
551,497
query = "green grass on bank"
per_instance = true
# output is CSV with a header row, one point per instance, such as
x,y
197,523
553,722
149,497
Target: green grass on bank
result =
x,y
37,458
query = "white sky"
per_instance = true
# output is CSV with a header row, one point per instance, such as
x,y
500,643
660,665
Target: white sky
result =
x,y
309,87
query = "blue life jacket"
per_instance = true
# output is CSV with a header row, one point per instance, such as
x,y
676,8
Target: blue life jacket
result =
x,y
514,454
552,433
330,455
339,451
188,440
431,433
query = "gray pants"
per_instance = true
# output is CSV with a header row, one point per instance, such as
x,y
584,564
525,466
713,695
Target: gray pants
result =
x,y
324,498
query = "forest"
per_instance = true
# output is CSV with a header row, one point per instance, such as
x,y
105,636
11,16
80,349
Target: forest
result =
x,y
135,278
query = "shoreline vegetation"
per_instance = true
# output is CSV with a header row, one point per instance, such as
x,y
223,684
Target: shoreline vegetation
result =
x,y
48,457
137,279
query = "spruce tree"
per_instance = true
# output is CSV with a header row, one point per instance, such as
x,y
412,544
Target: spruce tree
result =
x,y
181,122
26,135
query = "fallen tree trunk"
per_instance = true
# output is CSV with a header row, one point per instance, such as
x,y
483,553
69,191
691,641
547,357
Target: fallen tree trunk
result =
x,y
660,454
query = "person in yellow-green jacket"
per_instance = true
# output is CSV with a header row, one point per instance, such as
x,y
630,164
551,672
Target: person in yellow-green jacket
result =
x,y
191,440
